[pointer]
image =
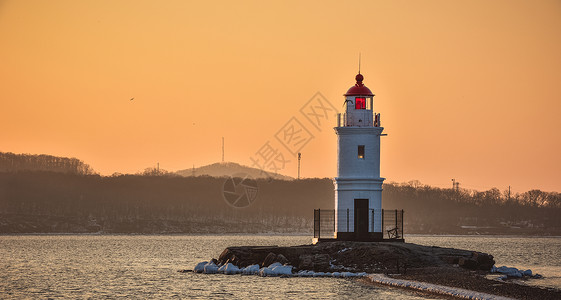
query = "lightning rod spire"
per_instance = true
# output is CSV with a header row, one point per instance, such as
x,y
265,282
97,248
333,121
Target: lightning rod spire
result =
x,y
359,62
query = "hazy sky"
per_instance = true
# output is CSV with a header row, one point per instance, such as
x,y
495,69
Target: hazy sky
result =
x,y
466,89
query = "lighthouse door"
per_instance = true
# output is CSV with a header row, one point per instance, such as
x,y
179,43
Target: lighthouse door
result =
x,y
361,218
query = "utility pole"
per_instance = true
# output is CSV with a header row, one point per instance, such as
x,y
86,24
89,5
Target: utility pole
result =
x,y
299,158
222,149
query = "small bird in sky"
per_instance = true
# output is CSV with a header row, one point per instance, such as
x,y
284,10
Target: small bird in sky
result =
x,y
132,98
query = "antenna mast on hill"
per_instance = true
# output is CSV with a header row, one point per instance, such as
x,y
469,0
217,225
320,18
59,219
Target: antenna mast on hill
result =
x,y
222,149
455,185
299,158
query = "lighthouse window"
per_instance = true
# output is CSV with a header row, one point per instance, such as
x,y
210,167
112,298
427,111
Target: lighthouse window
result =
x,y
361,151
360,103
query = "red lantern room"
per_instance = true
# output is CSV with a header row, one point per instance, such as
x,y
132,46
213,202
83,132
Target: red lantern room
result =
x,y
359,106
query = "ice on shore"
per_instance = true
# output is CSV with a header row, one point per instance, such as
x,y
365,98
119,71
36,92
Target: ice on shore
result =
x,y
349,274
200,267
210,268
230,269
250,270
511,272
221,269
283,270
276,269
305,273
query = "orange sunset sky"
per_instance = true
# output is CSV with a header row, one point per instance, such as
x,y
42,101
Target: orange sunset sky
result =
x,y
466,89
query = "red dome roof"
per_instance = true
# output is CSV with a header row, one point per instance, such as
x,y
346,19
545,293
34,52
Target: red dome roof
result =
x,y
359,89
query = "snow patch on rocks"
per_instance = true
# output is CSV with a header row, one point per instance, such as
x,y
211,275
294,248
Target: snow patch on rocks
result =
x,y
510,272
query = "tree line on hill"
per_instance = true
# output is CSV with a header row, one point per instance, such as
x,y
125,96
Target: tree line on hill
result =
x,y
10,162
442,210
33,201
73,199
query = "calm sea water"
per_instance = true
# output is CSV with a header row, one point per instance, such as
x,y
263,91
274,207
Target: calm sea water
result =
x,y
125,266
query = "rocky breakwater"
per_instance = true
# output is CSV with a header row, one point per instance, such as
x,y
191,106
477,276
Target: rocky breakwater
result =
x,y
379,257
446,271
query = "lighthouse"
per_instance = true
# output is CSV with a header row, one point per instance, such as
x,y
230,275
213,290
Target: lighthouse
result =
x,y
358,185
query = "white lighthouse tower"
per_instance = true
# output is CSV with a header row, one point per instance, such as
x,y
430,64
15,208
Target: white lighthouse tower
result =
x,y
358,185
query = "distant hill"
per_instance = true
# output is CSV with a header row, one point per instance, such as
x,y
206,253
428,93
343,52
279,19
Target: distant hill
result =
x,y
226,169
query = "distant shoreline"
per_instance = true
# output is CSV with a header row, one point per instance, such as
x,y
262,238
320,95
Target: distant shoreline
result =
x,y
304,234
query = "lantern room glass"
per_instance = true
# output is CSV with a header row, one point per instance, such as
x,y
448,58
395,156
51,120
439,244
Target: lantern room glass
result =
x,y
360,103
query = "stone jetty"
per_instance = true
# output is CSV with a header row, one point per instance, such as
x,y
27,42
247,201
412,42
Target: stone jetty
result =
x,y
369,257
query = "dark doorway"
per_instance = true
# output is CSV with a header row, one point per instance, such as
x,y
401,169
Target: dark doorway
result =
x,y
361,218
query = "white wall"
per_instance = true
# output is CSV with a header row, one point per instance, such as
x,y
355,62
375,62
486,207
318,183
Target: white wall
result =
x,y
358,178
346,190
348,163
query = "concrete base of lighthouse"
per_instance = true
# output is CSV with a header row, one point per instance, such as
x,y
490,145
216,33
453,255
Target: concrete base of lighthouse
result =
x,y
351,236
358,211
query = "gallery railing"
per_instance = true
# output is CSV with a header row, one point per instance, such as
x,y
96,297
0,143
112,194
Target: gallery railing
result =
x,y
326,223
364,118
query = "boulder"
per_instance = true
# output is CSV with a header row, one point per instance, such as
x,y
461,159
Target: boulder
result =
x,y
477,261
321,262
269,259
453,260
485,261
225,255
306,262
282,259
233,259
468,263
